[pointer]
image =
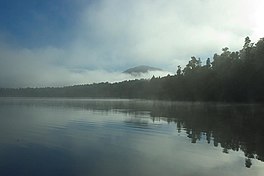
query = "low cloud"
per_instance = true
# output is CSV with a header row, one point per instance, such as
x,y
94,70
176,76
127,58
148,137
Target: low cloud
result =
x,y
42,68
112,36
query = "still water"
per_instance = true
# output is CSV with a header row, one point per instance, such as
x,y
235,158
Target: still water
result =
x,y
84,137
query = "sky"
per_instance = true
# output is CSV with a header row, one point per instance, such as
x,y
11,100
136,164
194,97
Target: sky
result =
x,y
65,42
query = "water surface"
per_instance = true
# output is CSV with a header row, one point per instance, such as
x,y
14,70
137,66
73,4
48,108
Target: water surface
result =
x,y
129,137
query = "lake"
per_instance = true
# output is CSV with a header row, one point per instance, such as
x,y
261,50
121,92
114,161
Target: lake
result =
x,y
81,137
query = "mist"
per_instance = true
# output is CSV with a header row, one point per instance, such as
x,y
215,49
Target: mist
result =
x,y
108,37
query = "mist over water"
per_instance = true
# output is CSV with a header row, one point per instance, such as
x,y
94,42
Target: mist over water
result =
x,y
129,137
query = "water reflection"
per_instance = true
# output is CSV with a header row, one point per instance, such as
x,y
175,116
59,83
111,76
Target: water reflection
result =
x,y
79,130
234,127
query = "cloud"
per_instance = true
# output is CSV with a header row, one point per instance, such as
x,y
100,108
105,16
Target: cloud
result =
x,y
43,67
164,32
111,36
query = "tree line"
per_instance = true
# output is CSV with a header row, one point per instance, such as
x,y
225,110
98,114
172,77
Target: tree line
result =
x,y
232,76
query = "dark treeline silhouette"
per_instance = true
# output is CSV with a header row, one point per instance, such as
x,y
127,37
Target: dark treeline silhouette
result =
x,y
230,76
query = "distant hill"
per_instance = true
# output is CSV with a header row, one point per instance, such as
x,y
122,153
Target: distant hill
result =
x,y
141,69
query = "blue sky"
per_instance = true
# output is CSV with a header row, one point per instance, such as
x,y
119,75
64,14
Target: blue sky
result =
x,y
47,22
65,42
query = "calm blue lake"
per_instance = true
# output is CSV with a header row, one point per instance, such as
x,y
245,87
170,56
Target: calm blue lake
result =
x,y
86,137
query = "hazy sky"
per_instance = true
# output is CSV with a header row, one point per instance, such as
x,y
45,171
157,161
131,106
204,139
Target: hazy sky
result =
x,y
64,42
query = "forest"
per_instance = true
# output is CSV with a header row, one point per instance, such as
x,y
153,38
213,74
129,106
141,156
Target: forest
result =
x,y
232,76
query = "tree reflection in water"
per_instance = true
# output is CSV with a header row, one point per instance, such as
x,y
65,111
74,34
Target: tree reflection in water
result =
x,y
237,127
233,127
